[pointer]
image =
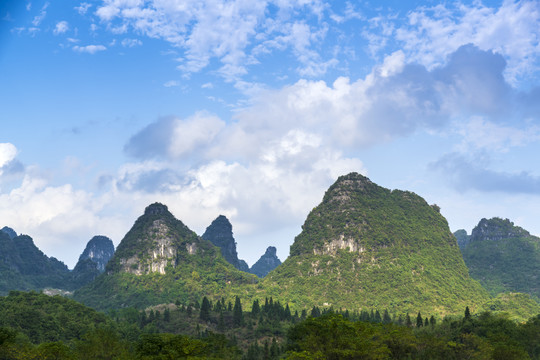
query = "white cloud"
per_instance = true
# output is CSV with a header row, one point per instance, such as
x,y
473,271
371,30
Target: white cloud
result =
x,y
481,134
131,43
61,27
42,14
83,8
8,152
171,83
224,30
89,49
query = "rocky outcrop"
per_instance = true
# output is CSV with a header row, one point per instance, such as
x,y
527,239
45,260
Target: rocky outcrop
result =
x,y
496,229
463,239
99,250
220,234
268,262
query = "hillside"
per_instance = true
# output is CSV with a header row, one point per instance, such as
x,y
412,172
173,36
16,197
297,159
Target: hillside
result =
x,y
161,260
366,246
24,267
504,257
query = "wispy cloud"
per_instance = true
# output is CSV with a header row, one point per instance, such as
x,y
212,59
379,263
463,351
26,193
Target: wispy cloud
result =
x,y
89,49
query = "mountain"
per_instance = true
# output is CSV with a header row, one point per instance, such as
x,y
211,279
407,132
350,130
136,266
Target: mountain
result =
x,y
268,262
368,247
161,260
24,267
463,239
504,257
220,234
92,261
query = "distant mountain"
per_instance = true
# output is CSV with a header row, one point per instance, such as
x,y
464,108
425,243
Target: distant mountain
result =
x,y
161,260
24,267
99,250
504,257
369,247
268,262
220,234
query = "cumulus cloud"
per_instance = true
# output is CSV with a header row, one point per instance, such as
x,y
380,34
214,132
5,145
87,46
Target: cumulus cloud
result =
x,y
465,175
175,138
61,27
89,49
83,8
129,43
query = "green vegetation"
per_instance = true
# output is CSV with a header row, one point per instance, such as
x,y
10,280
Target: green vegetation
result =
x,y
36,326
504,258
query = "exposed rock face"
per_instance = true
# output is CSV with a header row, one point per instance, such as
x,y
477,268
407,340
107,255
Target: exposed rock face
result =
x,y
100,250
268,262
220,234
9,231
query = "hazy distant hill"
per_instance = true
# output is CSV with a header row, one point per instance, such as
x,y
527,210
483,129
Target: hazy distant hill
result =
x,y
366,246
161,260
266,263
504,257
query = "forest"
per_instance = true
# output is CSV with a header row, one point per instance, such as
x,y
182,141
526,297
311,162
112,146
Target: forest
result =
x,y
38,326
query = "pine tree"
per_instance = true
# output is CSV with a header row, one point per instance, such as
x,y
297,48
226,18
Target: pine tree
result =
x,y
167,315
378,318
255,309
408,320
204,315
419,320
426,321
432,321
237,312
386,317
467,313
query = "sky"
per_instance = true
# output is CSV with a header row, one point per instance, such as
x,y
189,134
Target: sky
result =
x,y
253,108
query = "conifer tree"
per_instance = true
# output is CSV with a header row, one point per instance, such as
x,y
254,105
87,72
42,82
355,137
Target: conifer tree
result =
x,y
255,309
237,312
408,320
467,313
419,320
432,321
204,314
386,317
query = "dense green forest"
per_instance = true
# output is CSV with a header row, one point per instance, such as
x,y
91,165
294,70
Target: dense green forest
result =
x,y
37,326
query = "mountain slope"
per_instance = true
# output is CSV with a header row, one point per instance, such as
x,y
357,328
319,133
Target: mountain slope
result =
x,y
161,260
504,257
97,253
366,246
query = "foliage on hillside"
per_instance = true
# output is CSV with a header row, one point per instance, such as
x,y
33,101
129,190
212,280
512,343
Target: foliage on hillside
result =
x,y
365,246
24,267
35,326
504,257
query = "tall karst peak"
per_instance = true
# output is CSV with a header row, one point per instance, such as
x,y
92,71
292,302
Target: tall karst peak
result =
x,y
99,250
268,262
367,246
219,233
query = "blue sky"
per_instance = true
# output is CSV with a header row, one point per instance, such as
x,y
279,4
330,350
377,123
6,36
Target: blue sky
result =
x,y
252,109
